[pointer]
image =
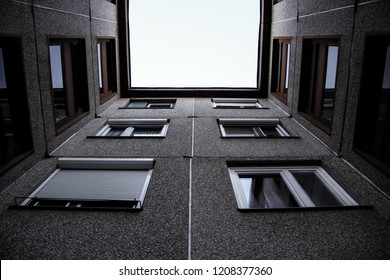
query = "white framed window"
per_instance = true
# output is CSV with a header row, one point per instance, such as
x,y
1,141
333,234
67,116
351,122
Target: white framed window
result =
x,y
237,103
93,183
287,187
149,104
252,128
129,128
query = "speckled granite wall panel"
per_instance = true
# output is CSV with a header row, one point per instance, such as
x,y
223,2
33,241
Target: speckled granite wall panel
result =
x,y
204,108
219,231
208,143
16,21
370,19
177,143
157,232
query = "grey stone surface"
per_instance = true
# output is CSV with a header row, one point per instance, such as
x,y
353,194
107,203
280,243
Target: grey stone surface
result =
x,y
219,231
177,143
157,232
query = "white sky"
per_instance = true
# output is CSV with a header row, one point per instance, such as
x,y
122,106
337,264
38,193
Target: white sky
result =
x,y
194,43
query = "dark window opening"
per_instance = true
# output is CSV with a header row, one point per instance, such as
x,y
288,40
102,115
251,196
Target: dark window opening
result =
x,y
107,69
69,81
253,128
15,129
130,128
318,81
372,132
280,68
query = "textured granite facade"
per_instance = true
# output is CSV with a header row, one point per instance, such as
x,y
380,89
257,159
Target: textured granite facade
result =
x,y
190,209
34,22
348,21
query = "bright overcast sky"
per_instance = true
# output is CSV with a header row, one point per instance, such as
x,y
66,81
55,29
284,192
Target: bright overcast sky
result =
x,y
194,43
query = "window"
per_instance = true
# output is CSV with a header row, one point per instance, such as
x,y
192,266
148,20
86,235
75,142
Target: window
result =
x,y
107,69
372,132
277,1
149,104
193,44
287,187
93,183
318,81
237,103
264,128
69,81
129,128
280,68
15,130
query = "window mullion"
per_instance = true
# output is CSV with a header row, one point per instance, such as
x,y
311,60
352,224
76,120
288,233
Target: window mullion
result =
x,y
299,194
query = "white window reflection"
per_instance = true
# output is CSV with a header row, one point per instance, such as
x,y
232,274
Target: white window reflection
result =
x,y
56,67
331,69
3,82
386,74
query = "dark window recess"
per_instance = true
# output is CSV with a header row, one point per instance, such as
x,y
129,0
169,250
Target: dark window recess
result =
x,y
106,69
69,81
372,132
277,1
280,68
15,130
149,104
318,81
253,128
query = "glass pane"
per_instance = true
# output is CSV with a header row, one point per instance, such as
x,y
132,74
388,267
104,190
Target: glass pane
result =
x,y
115,132
267,191
56,67
194,43
60,109
270,131
315,188
139,131
330,83
3,82
331,67
99,50
137,104
386,74
240,131
287,65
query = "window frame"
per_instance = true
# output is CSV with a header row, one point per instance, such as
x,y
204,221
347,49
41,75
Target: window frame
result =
x,y
280,76
302,198
18,107
312,84
368,107
261,89
74,80
150,103
256,125
132,123
89,164
107,74
234,103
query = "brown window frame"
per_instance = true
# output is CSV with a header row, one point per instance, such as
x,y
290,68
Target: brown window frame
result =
x,y
312,82
13,100
108,69
280,65
75,84
373,110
